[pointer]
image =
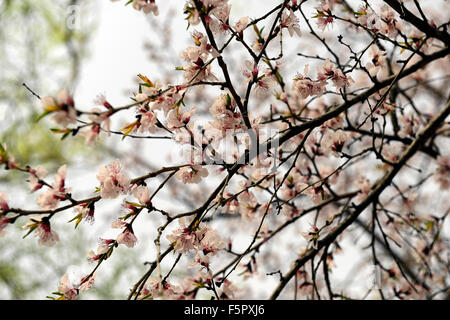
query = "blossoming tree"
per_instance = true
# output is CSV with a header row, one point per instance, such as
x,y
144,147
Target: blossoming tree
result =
x,y
331,132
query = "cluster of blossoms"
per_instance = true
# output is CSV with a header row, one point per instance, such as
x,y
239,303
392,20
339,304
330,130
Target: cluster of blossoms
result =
x,y
385,22
263,82
112,181
192,174
328,71
205,241
197,56
217,14
69,289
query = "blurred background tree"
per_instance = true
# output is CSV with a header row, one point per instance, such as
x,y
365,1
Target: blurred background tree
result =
x,y
40,46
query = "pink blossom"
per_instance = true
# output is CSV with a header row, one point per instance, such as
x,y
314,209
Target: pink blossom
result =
x,y
329,71
182,238
191,174
335,141
291,23
224,104
112,181
62,107
3,202
50,199
47,237
241,25
178,119
36,177
3,223
323,16
127,237
409,125
248,205
101,100
307,87
67,289
148,121
87,282
442,174
117,224
312,235
220,25
211,242
377,60
87,212
147,6
143,195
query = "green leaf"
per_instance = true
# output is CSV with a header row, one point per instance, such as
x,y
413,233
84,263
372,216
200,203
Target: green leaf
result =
x,y
42,115
30,231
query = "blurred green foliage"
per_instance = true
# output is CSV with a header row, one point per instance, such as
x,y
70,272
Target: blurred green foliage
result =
x,y
40,48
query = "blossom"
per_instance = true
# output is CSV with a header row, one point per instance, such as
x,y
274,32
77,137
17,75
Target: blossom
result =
x,y
329,71
147,6
291,23
307,87
62,107
316,193
42,229
67,289
36,178
241,25
221,13
143,195
335,141
247,205
112,181
312,235
117,224
127,237
368,18
87,282
224,104
262,82
377,60
100,99
191,174
409,125
389,25
57,191
102,249
442,174
182,239
178,119
211,242
3,202
155,288
86,212
323,15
